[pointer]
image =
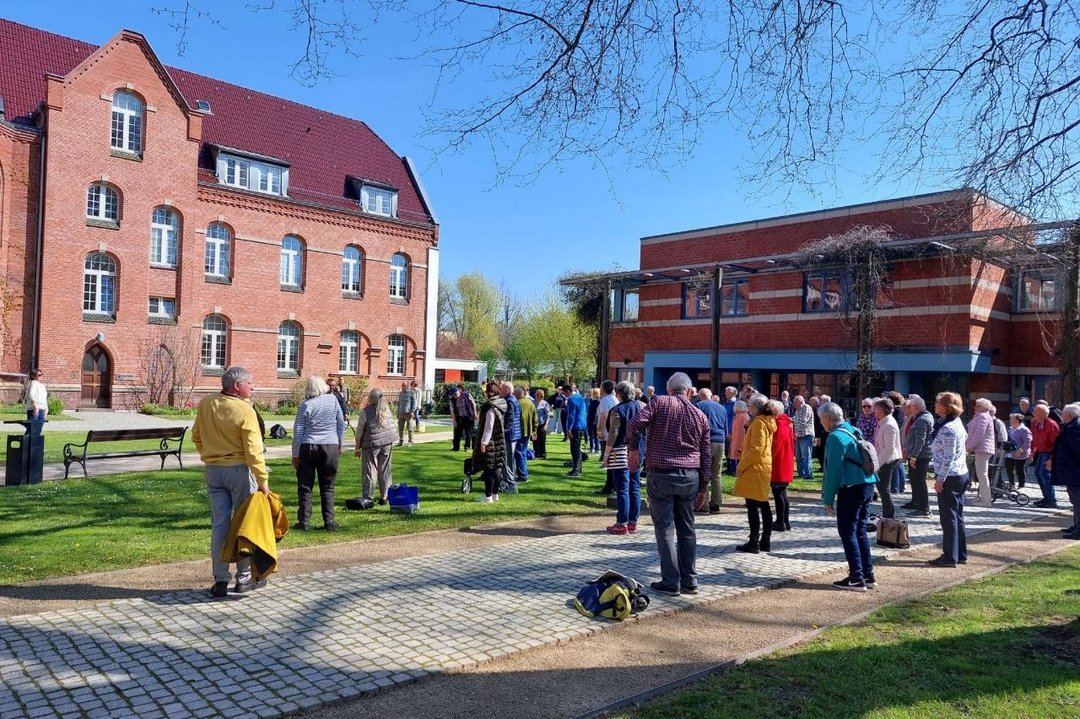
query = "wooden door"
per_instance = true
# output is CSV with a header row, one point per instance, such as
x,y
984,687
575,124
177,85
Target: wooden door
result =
x,y
96,378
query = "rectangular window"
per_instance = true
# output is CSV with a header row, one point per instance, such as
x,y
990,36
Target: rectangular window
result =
x,y
290,267
1035,291
252,175
378,201
632,376
163,307
626,305
213,349
827,291
395,355
736,298
697,302
348,353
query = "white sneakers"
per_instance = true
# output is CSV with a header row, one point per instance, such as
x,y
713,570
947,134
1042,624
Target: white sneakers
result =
x,y
488,500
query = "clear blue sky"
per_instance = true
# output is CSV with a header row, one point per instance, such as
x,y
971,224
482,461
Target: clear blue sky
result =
x,y
574,218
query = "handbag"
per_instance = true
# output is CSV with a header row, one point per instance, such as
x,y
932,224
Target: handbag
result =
x,y
893,533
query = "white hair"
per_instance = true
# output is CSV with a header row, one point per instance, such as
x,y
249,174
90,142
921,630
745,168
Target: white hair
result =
x,y
1072,409
984,403
831,410
678,383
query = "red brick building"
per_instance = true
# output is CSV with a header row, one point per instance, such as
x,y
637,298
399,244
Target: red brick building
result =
x,y
945,320
152,217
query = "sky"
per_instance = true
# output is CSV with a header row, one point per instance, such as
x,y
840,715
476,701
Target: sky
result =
x,y
524,234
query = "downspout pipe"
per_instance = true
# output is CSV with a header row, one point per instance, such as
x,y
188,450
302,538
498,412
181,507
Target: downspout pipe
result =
x,y
36,324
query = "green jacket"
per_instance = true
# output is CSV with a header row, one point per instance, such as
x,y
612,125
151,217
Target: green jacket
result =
x,y
528,416
839,472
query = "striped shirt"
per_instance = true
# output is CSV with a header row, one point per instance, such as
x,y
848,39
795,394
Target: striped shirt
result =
x,y
318,421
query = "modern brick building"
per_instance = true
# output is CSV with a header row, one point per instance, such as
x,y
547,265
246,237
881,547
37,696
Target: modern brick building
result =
x,y
945,319
153,220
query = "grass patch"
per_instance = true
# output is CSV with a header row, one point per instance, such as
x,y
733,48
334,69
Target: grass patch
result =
x,y
1007,647
140,518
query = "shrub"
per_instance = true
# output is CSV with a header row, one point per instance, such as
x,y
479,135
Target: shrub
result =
x,y
542,383
356,389
262,406
440,395
55,405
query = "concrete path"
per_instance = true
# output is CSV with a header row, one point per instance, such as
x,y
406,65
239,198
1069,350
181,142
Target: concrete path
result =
x,y
311,640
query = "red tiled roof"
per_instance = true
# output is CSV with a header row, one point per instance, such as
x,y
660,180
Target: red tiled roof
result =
x,y
320,147
448,346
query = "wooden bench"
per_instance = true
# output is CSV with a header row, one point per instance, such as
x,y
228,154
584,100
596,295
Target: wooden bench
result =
x,y
170,440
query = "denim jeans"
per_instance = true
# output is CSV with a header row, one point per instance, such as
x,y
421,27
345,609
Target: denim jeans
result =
x,y
899,477
951,514
228,487
884,488
804,445
1042,475
852,508
32,416
521,465
627,495
671,503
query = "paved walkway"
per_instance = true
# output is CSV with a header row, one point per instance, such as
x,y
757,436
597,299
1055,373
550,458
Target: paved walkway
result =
x,y
308,640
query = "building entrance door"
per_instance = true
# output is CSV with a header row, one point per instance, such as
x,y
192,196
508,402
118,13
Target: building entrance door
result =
x,y
96,378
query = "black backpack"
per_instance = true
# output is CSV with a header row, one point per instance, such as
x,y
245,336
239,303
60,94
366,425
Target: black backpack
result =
x,y
278,432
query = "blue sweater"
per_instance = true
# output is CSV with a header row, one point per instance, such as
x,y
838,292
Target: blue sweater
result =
x,y
575,412
512,423
718,420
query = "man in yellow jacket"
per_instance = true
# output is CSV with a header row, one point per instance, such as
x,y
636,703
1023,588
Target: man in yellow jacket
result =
x,y
227,435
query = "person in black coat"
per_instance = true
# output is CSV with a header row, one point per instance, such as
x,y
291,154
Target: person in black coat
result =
x,y
1064,463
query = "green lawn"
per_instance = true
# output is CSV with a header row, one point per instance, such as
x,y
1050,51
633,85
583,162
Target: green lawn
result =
x,y
1007,647
117,521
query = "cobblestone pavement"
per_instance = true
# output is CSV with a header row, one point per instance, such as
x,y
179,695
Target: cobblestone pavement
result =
x,y
307,640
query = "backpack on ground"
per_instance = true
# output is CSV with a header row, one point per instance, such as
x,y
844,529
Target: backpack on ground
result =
x,y
611,596
868,459
893,533
278,432
356,503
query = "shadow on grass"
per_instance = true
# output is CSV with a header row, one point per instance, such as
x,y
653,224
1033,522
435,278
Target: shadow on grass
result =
x,y
1024,671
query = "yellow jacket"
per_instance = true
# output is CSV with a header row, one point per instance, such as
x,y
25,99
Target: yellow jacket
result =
x,y
257,526
226,433
755,466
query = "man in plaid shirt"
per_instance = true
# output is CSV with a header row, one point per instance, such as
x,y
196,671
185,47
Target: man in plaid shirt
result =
x,y
803,420
678,454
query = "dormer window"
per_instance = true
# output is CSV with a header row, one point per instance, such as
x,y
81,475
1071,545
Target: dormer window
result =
x,y
248,173
376,198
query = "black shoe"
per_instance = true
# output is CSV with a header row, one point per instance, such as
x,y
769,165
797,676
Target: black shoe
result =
x,y
573,474
1071,535
665,589
523,480
779,527
749,548
942,561
382,500
850,585
787,526
918,512
568,463
219,590
908,505
685,589
1070,530
764,546
714,509
300,526
331,527
604,492
870,582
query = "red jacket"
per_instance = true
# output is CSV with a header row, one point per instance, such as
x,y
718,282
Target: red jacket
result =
x,y
1043,435
783,451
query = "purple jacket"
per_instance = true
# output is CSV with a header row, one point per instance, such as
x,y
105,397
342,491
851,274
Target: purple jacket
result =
x,y
981,434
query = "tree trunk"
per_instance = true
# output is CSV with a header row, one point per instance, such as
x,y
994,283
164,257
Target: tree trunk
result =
x,y
865,296
1070,319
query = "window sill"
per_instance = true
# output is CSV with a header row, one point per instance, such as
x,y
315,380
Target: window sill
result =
x,y
162,266
217,280
213,371
103,224
154,320
125,155
398,301
288,374
99,317
352,295
292,288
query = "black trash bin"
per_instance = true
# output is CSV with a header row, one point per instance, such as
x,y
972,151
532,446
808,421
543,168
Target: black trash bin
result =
x,y
25,454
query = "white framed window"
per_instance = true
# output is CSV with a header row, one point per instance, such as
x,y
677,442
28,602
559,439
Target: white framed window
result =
x,y
127,122
395,355
349,352
1035,291
162,307
253,175
164,237
378,200
292,261
99,284
102,203
215,335
288,347
218,249
399,277
352,263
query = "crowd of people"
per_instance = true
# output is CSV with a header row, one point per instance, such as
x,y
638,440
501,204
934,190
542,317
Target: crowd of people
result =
x,y
680,442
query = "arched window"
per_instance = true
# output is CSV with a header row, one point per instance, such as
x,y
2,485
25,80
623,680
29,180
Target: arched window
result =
x,y
292,261
352,265
127,122
288,347
218,249
164,237
215,335
99,284
399,277
395,355
102,203
349,352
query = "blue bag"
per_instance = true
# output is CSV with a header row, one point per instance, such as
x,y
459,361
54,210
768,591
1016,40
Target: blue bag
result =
x,y
404,498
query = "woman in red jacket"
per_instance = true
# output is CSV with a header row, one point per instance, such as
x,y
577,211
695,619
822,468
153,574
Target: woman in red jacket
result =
x,y
783,466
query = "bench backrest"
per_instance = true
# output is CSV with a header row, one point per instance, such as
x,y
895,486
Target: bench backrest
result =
x,y
117,435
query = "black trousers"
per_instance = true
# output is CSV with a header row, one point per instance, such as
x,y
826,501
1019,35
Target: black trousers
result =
x,y
320,460
783,505
951,514
760,515
463,427
575,448
1017,471
540,444
920,494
